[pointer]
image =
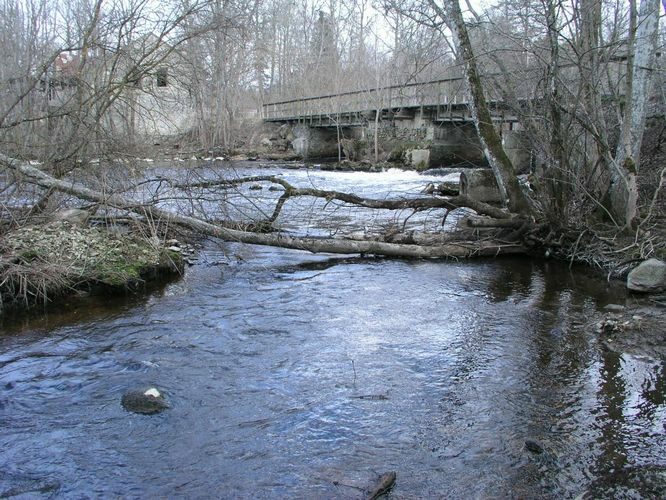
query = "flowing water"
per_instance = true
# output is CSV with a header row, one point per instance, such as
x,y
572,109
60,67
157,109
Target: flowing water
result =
x,y
298,376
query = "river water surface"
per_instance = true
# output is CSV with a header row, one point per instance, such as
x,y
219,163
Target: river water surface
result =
x,y
298,376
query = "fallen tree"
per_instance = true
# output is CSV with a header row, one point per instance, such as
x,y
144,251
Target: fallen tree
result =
x,y
449,203
442,249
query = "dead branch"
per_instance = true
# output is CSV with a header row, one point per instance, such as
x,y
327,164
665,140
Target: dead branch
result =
x,y
283,240
450,203
655,196
494,223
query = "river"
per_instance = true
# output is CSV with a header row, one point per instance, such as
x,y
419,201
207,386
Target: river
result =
x,y
292,375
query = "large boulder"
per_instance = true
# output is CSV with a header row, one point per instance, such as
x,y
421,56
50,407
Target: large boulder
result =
x,y
648,276
418,158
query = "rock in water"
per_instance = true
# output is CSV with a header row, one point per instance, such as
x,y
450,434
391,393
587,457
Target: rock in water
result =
x,y
383,485
533,446
26,486
480,184
145,402
648,276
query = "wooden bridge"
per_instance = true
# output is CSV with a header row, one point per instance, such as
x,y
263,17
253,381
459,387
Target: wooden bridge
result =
x,y
445,100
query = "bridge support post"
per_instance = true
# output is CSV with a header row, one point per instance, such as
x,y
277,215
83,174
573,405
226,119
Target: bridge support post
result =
x,y
456,143
315,142
517,148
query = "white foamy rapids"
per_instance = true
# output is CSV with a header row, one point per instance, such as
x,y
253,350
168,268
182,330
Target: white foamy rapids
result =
x,y
390,183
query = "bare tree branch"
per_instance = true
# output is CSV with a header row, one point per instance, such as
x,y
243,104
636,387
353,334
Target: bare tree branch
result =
x,y
315,245
450,203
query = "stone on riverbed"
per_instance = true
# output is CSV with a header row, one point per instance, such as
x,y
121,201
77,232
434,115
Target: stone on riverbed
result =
x,y
74,216
26,485
614,308
534,446
649,276
144,401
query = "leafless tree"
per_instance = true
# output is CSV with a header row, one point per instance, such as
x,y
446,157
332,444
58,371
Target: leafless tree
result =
x,y
566,71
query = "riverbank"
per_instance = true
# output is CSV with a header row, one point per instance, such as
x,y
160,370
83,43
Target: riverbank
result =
x,y
44,262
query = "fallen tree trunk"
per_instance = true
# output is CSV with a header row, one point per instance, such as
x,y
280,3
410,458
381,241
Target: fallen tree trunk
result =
x,y
282,240
449,203
496,223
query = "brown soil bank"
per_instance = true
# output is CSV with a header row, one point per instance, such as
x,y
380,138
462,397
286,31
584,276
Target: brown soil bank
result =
x,y
40,263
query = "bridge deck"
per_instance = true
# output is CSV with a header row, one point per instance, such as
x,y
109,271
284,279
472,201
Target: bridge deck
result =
x,y
445,100
448,96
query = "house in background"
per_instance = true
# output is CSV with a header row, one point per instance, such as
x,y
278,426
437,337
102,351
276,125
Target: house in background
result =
x,y
142,91
161,104
61,82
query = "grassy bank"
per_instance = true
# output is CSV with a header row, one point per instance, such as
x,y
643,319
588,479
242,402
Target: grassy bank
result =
x,y
41,263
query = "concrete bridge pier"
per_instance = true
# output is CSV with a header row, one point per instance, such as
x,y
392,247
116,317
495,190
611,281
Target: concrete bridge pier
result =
x,y
422,142
517,147
455,144
315,142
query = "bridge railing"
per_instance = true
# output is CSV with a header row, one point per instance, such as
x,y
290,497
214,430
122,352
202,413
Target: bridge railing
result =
x,y
449,91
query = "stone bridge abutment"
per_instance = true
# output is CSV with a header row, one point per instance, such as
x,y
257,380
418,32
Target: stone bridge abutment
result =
x,y
420,143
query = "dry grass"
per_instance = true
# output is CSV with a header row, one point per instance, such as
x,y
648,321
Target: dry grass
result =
x,y
42,262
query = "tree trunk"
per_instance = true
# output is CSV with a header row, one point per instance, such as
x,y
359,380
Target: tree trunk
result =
x,y
624,188
556,199
376,134
490,140
315,245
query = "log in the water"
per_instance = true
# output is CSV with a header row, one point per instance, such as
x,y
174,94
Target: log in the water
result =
x,y
495,223
276,239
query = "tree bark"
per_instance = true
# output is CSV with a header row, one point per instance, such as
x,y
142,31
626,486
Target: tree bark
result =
x,y
490,140
624,187
314,245
557,199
